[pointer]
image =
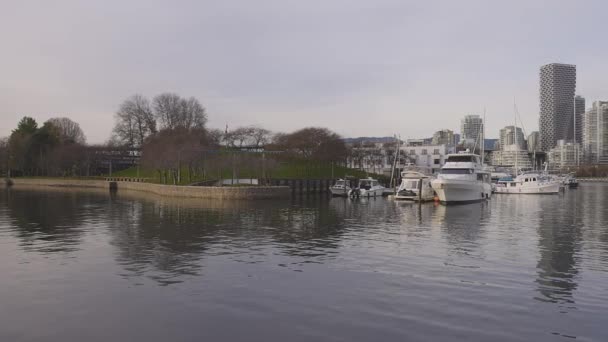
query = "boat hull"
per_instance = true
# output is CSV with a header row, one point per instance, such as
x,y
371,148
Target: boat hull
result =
x,y
341,192
543,189
412,198
409,195
367,193
451,191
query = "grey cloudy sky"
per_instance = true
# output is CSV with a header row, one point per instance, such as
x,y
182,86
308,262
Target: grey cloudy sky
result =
x,y
358,67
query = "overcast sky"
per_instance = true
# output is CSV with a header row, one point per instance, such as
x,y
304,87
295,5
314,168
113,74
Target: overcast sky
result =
x,y
361,68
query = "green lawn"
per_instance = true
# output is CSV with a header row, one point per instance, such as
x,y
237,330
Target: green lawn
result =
x,y
284,170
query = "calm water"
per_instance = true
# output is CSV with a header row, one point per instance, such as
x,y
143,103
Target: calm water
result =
x,y
78,265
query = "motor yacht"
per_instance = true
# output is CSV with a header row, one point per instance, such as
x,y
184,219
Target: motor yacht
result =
x,y
462,180
528,183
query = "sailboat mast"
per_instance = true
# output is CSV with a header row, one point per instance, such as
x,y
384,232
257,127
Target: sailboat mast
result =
x,y
515,137
483,138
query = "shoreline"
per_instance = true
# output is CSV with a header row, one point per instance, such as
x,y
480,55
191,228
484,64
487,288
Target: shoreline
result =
x,y
211,192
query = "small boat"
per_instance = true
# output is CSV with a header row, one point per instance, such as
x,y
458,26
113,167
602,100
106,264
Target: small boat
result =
x,y
340,188
368,187
462,180
415,186
572,182
527,183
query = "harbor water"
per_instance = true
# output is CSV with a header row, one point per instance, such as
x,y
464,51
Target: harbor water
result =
x,y
88,265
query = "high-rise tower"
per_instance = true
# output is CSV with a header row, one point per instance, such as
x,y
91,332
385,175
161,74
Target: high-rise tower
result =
x,y
557,88
579,115
471,131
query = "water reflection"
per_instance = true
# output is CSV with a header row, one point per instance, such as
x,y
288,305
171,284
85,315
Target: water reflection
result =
x,y
559,234
463,225
170,238
366,268
49,222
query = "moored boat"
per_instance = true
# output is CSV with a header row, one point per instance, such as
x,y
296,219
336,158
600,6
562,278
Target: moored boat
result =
x,y
462,180
415,186
528,183
340,188
368,187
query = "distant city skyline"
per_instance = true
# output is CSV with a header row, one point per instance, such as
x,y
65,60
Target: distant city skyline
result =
x,y
359,68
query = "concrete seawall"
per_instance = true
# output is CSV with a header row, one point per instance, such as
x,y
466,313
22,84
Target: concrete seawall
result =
x,y
211,192
220,193
594,179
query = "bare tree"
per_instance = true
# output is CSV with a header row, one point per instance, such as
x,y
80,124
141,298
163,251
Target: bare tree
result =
x,y
193,114
313,143
68,130
134,121
167,110
260,136
215,136
171,149
247,136
172,112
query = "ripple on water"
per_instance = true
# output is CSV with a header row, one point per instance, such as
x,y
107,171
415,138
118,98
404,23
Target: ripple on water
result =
x,y
513,269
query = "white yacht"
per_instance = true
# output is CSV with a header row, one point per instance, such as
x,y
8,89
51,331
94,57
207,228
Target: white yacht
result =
x,y
462,180
528,183
340,188
415,186
368,187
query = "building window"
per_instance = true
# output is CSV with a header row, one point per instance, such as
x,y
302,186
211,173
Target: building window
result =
x,y
424,151
436,151
436,161
412,152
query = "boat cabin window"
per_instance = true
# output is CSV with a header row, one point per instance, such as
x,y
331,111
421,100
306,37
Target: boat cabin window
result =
x,y
411,184
365,184
456,171
340,182
462,159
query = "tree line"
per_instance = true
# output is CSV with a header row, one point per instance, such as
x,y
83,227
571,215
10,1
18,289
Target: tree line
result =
x,y
171,135
54,148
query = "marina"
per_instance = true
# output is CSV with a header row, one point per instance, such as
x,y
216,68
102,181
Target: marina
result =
x,y
327,171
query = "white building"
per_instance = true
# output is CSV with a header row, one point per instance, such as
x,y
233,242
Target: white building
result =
x,y
444,137
595,133
564,155
471,130
509,137
431,157
511,156
379,159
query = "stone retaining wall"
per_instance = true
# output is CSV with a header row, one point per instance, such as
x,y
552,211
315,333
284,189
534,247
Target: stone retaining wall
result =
x,y
58,182
209,192
593,179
